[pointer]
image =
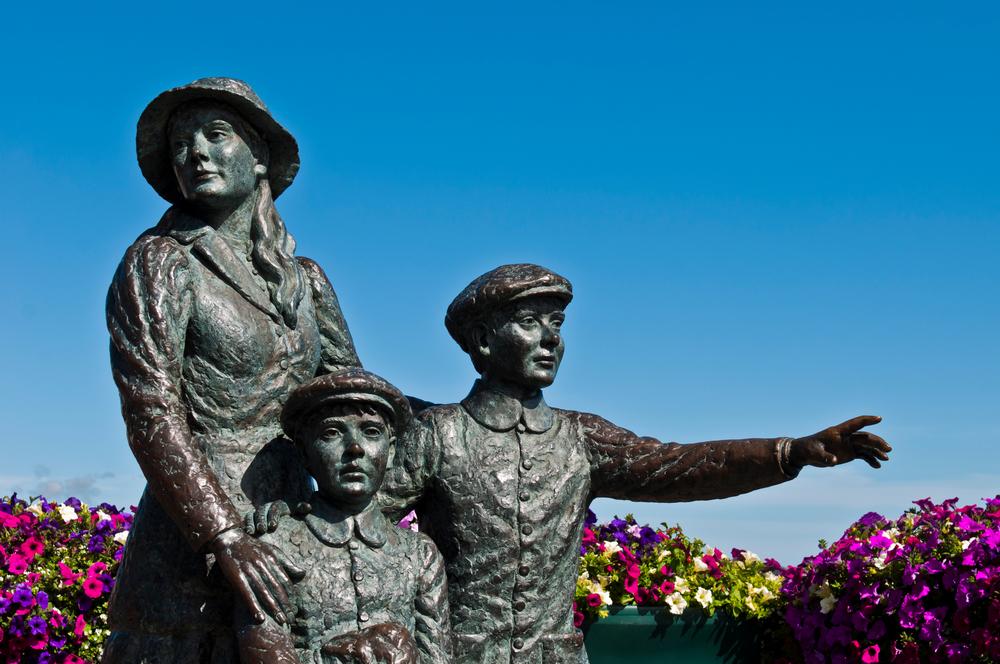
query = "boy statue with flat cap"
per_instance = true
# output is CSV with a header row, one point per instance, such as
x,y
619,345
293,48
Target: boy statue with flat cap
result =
x,y
501,482
365,591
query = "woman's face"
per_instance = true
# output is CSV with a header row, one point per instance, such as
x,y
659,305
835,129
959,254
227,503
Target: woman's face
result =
x,y
212,161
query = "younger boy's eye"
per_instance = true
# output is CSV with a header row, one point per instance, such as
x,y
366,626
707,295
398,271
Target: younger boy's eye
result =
x,y
373,432
527,321
331,434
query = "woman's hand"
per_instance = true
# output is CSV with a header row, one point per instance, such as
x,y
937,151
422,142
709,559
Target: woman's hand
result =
x,y
254,573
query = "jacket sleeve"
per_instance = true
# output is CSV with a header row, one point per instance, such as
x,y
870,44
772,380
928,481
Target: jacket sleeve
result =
x,y
337,346
628,467
415,462
432,629
148,307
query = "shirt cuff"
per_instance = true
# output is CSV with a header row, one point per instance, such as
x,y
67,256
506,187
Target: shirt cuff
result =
x,y
790,470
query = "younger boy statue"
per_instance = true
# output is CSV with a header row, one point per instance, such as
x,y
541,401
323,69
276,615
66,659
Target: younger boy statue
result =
x,y
370,592
501,482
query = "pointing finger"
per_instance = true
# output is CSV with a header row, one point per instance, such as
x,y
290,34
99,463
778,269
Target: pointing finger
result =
x,y
856,423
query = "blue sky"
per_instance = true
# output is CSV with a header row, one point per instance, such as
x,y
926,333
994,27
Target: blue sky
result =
x,y
775,218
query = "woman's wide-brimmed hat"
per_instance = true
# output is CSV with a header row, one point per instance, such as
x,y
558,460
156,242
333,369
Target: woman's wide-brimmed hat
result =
x,y
152,144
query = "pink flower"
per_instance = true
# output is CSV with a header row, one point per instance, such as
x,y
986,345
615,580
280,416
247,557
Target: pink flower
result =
x,y
32,547
67,574
73,659
17,564
9,520
32,577
593,600
78,630
96,568
93,587
58,620
870,655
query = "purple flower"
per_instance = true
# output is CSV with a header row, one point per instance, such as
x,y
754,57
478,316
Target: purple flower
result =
x,y
37,626
95,544
74,502
870,519
56,642
84,603
23,594
4,604
43,599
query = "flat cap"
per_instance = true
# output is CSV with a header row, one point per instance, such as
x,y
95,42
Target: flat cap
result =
x,y
500,287
347,386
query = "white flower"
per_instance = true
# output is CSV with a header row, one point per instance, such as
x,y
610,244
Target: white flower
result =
x,y
749,602
879,560
635,530
604,581
751,557
681,585
967,543
102,516
605,596
67,513
703,597
121,536
820,591
827,603
36,509
892,533
765,593
771,576
611,547
676,604
585,575
699,565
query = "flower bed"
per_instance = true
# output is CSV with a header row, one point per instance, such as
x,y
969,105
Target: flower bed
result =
x,y
624,563
57,566
921,588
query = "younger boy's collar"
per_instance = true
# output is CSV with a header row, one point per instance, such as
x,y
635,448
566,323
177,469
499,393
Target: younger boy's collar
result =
x,y
501,412
333,526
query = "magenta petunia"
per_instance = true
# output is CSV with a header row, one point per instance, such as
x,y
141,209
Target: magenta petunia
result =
x,y
32,547
16,563
93,587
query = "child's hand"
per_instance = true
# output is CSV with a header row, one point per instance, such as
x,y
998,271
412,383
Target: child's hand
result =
x,y
388,643
264,518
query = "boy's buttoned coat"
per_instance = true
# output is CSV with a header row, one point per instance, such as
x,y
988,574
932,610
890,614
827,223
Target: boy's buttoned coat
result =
x,y
502,487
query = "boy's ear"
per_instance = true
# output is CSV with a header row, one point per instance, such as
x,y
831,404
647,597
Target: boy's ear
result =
x,y
481,336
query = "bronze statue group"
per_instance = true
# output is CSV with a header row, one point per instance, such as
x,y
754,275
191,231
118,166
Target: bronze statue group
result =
x,y
241,391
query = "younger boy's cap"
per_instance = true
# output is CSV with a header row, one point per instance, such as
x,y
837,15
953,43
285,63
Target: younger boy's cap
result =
x,y
347,386
499,287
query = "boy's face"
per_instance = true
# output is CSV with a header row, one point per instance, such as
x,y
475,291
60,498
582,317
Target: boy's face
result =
x,y
347,455
527,347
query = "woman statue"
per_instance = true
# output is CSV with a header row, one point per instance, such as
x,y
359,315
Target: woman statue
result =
x,y
213,323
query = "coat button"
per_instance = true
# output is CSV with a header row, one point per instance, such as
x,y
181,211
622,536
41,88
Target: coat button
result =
x,y
279,331
526,464
524,495
518,644
353,545
284,364
521,428
526,529
250,257
358,576
497,580
523,570
363,617
519,605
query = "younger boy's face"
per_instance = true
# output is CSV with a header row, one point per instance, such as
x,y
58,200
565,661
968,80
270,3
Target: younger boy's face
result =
x,y
347,456
527,347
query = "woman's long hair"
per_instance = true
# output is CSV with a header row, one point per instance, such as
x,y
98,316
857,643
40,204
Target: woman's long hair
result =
x,y
274,255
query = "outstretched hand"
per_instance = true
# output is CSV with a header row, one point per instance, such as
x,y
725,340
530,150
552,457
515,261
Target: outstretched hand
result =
x,y
264,518
841,444
255,573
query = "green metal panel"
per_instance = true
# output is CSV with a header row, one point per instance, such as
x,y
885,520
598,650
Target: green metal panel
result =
x,y
635,635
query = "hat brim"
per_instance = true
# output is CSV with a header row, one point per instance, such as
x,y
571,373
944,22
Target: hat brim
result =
x,y
152,144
